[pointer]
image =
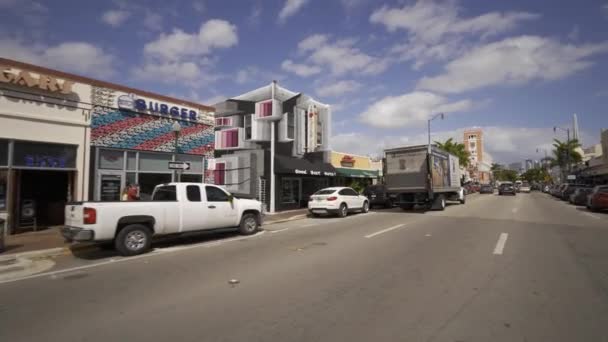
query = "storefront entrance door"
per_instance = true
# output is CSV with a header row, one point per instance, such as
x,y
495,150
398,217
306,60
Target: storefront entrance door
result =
x,y
110,185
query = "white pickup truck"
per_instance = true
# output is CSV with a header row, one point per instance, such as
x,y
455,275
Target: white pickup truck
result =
x,y
174,208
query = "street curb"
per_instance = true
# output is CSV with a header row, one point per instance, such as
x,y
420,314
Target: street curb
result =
x,y
293,218
48,253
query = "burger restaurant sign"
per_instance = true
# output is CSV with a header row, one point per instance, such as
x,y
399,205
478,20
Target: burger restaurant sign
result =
x,y
134,103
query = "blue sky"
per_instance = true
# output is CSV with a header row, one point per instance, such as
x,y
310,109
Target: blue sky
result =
x,y
514,68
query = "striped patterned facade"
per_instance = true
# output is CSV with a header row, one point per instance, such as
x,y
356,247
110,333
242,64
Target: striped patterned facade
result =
x,y
133,131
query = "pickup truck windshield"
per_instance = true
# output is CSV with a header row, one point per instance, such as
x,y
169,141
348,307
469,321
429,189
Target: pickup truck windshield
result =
x,y
165,193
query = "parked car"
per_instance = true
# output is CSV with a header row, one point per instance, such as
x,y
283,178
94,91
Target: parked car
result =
x,y
486,189
378,196
174,208
569,190
506,188
337,200
525,187
579,197
598,199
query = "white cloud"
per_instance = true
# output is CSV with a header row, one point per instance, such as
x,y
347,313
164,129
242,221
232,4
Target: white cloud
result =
x,y
78,57
213,34
409,109
605,9
505,144
340,56
350,5
515,60
437,31
199,6
338,88
290,8
301,70
115,18
153,21
214,99
312,42
255,16
169,72
247,75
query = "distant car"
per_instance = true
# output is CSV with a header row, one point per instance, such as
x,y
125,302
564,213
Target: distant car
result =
x,y
486,189
337,200
579,197
378,196
506,188
525,187
598,199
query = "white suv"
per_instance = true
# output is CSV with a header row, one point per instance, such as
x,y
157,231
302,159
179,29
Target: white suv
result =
x,y
338,200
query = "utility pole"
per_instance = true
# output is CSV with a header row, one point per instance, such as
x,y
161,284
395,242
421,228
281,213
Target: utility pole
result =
x,y
272,143
176,128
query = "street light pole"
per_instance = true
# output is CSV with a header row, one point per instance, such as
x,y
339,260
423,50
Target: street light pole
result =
x,y
440,115
176,128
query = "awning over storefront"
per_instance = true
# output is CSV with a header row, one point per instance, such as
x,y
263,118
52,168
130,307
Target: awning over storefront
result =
x,y
356,173
304,167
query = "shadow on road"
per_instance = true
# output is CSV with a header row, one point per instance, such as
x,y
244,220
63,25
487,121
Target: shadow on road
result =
x,y
102,251
584,209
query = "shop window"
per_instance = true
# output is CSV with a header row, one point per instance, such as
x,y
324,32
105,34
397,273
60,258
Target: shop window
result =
x,y
290,191
154,162
131,160
264,109
111,159
30,154
131,178
248,128
196,162
3,191
223,121
230,138
3,152
219,174
216,194
193,192
188,178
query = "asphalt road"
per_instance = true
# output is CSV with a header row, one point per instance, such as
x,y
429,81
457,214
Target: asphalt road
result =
x,y
524,268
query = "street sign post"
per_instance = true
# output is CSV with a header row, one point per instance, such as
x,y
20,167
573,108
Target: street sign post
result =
x,y
177,165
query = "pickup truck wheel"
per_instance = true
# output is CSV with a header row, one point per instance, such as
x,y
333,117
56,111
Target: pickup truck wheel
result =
x,y
249,224
343,211
133,239
463,200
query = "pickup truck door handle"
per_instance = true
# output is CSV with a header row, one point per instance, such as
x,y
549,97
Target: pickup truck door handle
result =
x,y
211,207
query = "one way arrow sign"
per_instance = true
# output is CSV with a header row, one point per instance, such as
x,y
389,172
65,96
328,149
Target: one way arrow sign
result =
x,y
179,166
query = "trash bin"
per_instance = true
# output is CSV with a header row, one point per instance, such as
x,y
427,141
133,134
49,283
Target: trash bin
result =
x,y
2,228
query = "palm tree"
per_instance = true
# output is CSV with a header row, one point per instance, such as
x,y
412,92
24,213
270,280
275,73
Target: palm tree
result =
x,y
496,167
457,149
565,153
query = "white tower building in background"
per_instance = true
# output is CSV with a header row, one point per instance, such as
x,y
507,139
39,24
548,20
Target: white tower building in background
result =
x,y
576,134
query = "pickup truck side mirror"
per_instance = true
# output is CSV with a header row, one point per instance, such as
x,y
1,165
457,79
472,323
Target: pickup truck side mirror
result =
x,y
231,198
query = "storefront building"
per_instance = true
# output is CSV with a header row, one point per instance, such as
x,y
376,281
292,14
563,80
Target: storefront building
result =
x,y
44,144
273,128
353,170
134,136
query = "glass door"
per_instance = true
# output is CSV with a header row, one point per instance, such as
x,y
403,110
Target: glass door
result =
x,y
110,185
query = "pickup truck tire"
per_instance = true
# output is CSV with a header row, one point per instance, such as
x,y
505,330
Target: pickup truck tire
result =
x,y
133,239
343,211
249,224
463,200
